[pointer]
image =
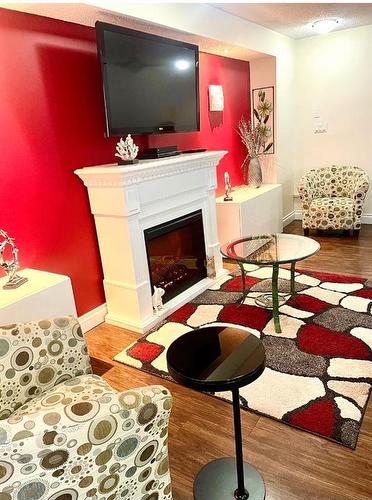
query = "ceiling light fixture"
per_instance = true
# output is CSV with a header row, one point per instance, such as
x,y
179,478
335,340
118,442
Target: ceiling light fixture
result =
x,y
325,25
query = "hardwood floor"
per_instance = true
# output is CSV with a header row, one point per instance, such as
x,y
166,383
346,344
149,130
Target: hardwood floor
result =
x,y
339,254
295,465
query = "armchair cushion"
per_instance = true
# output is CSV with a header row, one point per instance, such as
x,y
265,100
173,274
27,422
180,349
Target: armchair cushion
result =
x,y
63,408
36,356
82,439
331,213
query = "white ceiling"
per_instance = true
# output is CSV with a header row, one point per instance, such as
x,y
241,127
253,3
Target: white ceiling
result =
x,y
85,14
291,19
295,19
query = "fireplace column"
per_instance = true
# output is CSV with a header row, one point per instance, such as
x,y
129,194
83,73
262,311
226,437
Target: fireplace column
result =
x,y
123,253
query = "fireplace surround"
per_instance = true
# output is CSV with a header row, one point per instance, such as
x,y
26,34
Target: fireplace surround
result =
x,y
127,203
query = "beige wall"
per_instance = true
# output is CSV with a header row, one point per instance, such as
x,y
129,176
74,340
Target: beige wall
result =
x,y
334,81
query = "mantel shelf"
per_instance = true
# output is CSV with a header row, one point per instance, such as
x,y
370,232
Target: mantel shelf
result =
x,y
119,175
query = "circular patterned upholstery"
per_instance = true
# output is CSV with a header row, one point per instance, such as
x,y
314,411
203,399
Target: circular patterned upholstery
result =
x,y
333,197
36,356
331,213
74,437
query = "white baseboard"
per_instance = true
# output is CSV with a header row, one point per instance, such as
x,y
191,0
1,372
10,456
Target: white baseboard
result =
x,y
367,219
297,215
289,218
93,318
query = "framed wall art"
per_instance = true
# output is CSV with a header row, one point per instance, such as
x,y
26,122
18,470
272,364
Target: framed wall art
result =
x,y
263,117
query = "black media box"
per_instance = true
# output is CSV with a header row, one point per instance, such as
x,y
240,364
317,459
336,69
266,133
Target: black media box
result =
x,y
162,152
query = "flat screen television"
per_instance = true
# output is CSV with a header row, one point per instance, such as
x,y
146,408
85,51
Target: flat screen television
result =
x,y
150,83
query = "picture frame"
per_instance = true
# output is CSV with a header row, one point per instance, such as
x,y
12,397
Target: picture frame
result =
x,y
263,109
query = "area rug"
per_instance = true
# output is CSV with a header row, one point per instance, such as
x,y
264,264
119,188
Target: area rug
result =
x,y
318,373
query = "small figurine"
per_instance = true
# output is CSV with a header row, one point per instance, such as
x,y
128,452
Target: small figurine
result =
x,y
211,268
228,196
10,266
157,301
126,151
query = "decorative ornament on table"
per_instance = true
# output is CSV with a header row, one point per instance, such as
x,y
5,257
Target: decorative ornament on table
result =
x,y
228,196
211,267
10,266
263,117
255,138
251,166
157,301
127,151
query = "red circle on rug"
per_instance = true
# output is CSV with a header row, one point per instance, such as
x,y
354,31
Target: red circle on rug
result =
x,y
320,417
316,339
245,315
335,278
366,293
307,303
145,351
182,314
236,284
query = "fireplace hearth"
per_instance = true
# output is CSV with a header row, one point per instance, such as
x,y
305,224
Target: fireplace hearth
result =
x,y
176,254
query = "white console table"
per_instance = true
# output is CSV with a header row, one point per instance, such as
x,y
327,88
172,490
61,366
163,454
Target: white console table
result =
x,y
44,295
252,211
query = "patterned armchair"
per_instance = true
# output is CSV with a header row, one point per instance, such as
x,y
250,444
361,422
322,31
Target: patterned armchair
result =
x,y
333,197
65,434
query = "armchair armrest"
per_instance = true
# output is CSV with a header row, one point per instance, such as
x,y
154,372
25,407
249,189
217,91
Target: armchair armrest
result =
x,y
105,439
305,191
39,355
360,191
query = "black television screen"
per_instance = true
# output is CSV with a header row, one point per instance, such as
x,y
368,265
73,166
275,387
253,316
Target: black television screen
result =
x,y
150,83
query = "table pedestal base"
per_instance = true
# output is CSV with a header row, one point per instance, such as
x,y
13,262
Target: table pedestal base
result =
x,y
266,300
217,481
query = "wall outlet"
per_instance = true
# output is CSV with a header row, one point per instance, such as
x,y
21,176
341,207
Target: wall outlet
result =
x,y
319,125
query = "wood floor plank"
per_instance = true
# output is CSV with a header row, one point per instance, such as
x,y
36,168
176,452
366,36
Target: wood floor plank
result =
x,y
295,465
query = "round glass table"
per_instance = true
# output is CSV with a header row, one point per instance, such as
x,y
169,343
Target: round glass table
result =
x,y
219,358
270,249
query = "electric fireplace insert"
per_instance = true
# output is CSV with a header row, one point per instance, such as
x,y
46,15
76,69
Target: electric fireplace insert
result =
x,y
176,254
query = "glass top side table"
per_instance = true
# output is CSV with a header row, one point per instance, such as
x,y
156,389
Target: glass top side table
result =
x,y
270,249
214,359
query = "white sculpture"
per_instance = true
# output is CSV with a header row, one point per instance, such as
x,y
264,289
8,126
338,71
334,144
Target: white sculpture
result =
x,y
10,266
126,150
228,196
157,301
211,267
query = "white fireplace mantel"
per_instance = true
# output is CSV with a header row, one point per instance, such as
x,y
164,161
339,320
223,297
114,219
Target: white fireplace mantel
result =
x,y
126,200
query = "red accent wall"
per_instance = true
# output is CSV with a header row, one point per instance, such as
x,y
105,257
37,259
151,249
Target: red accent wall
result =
x,y
218,129
52,120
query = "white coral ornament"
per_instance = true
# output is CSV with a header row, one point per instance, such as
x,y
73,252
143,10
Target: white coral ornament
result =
x,y
126,150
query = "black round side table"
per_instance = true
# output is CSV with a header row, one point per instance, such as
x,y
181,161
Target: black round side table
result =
x,y
221,359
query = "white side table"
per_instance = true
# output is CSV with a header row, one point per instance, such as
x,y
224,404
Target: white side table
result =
x,y
253,211
44,295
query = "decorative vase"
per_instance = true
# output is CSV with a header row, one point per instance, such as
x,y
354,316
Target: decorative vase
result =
x,y
254,174
245,167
